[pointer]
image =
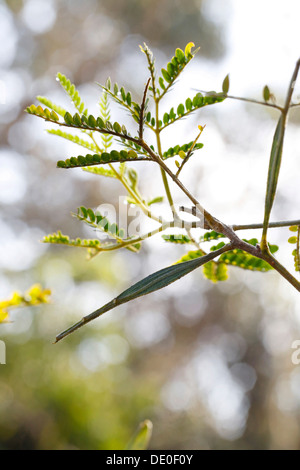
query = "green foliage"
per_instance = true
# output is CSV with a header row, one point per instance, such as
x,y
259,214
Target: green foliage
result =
x,y
36,295
175,67
245,261
56,108
122,97
296,241
44,113
72,92
191,105
245,254
134,146
151,66
193,254
60,239
93,246
74,138
96,170
215,271
208,236
141,439
172,151
97,220
96,159
255,242
106,116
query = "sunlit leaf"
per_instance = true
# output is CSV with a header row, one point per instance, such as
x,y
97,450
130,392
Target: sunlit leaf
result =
x,y
141,439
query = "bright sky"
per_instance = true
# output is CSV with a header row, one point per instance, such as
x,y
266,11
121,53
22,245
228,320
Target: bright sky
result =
x,y
264,40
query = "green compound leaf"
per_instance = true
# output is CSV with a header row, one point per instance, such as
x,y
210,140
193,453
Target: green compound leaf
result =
x,y
273,173
123,98
97,220
255,242
244,260
57,109
44,113
91,123
215,271
235,257
103,119
208,236
60,239
191,255
137,148
74,138
96,170
151,61
191,105
72,92
96,159
176,65
172,151
266,93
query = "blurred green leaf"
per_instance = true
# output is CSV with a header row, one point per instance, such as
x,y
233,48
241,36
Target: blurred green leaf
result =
x,y
149,284
141,439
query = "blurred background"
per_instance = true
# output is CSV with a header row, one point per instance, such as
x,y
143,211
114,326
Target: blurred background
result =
x,y
209,364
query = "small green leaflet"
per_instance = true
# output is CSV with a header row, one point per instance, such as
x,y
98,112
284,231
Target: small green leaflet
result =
x,y
273,173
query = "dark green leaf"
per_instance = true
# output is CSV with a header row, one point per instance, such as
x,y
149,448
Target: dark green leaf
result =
x,y
180,110
141,439
273,173
150,284
179,54
68,119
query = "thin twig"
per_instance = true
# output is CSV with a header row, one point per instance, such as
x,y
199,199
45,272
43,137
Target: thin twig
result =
x,y
186,158
285,223
248,100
